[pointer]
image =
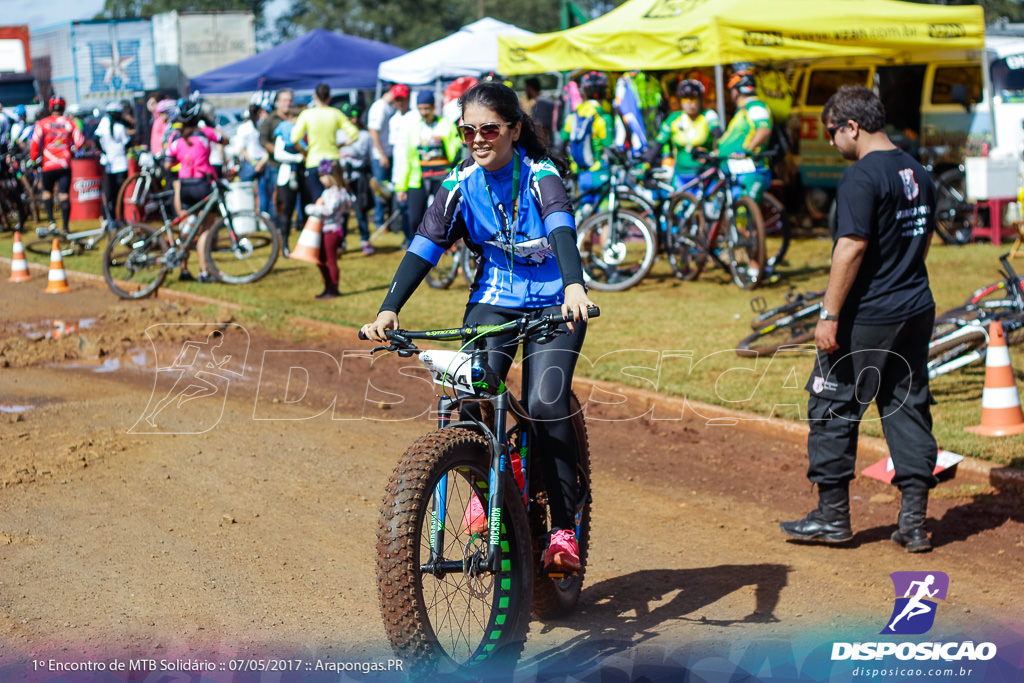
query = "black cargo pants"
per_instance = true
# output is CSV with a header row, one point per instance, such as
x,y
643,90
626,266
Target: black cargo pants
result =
x,y
887,364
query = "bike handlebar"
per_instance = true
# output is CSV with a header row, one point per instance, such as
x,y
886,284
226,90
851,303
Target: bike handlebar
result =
x,y
717,159
526,327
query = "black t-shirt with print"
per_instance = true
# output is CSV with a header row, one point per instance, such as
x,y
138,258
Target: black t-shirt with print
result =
x,y
888,199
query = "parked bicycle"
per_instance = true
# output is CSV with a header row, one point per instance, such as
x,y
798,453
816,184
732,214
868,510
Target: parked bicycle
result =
x,y
71,243
960,337
790,324
456,586
242,246
727,225
17,201
617,245
142,197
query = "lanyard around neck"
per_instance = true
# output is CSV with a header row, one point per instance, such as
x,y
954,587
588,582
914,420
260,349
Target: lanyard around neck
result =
x,y
508,227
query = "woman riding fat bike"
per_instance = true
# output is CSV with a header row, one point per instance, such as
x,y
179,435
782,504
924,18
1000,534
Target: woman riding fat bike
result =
x,y
507,202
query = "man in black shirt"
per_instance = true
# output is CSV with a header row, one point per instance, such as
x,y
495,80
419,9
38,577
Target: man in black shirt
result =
x,y
874,327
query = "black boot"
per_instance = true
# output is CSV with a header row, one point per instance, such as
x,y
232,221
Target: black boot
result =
x,y
830,522
910,531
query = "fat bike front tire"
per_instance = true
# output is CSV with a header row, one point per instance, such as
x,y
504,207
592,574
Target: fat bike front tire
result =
x,y
462,621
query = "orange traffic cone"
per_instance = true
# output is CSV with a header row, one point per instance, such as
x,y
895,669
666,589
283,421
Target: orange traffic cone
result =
x,y
308,246
19,266
1000,403
57,281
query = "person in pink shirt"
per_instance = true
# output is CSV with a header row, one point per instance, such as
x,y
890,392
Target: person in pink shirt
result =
x,y
191,151
161,120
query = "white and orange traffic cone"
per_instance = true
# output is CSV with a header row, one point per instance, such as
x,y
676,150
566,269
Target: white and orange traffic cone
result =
x,y
1000,403
19,265
57,280
308,246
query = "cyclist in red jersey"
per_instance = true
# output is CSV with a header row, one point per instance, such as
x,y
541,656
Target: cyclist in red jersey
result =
x,y
54,140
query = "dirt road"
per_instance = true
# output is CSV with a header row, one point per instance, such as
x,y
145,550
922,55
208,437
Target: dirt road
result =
x,y
236,520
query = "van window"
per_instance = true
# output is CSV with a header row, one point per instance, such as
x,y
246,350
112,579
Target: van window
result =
x,y
948,76
823,83
1008,78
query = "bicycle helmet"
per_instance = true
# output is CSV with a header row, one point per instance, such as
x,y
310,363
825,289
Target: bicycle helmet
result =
x,y
350,110
56,103
690,90
190,111
594,82
20,111
743,82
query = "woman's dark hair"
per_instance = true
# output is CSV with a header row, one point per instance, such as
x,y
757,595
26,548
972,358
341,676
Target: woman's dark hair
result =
x,y
323,92
855,103
503,100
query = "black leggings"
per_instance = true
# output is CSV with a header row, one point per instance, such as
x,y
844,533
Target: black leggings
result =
x,y
547,376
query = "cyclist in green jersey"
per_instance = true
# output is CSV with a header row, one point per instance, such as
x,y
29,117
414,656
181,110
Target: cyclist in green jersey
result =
x,y
748,132
687,130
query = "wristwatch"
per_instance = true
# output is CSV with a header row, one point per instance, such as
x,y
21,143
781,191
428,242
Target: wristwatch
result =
x,y
825,315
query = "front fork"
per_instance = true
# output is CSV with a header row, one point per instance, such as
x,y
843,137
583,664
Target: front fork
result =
x,y
500,462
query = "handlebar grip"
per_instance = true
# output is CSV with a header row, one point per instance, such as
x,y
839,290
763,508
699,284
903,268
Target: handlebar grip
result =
x,y
363,337
592,312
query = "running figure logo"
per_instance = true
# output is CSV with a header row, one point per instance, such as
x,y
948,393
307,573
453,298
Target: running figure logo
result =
x,y
916,596
202,369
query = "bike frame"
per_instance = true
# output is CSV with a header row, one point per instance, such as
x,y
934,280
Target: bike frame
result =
x,y
487,387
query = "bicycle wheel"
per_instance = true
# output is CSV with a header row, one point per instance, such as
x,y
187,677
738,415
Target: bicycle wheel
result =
x,y
953,212
44,246
777,230
744,248
686,255
616,252
796,328
444,273
131,199
442,610
133,262
242,247
556,596
955,350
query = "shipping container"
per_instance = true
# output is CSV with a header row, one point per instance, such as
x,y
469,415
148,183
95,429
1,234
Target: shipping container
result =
x,y
188,44
17,83
15,52
92,62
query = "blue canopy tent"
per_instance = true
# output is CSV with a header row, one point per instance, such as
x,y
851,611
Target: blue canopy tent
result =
x,y
341,61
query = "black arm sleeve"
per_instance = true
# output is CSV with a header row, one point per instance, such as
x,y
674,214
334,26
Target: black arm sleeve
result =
x,y
408,277
563,243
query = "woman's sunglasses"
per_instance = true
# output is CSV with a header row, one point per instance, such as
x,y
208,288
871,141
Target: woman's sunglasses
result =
x,y
488,131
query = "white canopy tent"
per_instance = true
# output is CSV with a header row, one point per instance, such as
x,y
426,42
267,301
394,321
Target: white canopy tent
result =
x,y
470,51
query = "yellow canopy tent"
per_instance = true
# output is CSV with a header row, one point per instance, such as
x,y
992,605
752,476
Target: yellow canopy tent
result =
x,y
674,34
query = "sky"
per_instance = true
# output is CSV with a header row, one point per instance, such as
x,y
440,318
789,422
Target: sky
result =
x,y
50,12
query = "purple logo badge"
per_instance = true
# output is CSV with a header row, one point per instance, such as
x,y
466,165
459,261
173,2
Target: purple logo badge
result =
x,y
917,594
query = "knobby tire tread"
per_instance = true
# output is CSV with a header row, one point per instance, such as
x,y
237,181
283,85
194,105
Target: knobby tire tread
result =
x,y
402,514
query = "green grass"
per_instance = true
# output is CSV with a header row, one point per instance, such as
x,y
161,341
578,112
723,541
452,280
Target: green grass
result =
x,y
665,335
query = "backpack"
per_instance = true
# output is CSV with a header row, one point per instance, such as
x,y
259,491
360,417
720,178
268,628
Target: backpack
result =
x,y
581,143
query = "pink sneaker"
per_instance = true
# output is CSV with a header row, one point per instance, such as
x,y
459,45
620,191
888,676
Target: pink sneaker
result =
x,y
563,553
474,522
368,248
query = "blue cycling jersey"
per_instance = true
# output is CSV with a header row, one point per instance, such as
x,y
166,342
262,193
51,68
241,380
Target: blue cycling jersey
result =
x,y
517,268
